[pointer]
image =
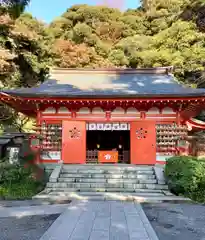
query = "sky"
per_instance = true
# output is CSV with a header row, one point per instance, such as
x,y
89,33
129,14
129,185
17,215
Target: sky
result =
x,y
47,10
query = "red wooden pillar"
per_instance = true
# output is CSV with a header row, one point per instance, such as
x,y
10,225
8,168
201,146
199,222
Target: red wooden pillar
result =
x,y
143,142
74,142
178,118
36,149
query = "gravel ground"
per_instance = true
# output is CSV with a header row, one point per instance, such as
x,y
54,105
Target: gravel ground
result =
x,y
177,221
25,228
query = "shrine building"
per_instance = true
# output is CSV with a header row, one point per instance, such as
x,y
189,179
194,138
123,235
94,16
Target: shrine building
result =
x,y
133,116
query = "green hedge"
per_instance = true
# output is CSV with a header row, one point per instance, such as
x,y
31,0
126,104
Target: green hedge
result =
x,y
186,176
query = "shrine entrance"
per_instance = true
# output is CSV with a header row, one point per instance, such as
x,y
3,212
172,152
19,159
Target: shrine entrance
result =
x,y
108,143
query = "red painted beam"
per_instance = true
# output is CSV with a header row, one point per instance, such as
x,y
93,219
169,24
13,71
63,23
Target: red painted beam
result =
x,y
194,123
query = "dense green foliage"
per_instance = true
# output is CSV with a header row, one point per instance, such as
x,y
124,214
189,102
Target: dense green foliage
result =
x,y
20,190
25,54
13,7
162,33
21,180
186,176
16,182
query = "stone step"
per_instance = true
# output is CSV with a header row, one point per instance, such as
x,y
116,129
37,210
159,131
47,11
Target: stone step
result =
x,y
147,186
101,180
136,197
123,186
147,181
96,190
83,180
55,193
131,181
93,191
106,167
108,176
107,171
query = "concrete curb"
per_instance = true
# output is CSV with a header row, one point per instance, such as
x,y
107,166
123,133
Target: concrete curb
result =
x,y
150,231
27,203
55,174
159,173
33,210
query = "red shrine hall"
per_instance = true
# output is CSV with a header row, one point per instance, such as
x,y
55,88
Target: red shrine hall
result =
x,y
133,116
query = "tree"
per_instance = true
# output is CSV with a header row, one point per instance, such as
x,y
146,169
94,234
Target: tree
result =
x,y
25,54
13,7
26,42
81,32
158,33
70,55
118,58
148,5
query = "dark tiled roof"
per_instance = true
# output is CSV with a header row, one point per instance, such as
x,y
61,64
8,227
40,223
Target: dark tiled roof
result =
x,y
70,83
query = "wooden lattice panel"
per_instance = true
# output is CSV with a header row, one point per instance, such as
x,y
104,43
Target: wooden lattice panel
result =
x,y
168,136
51,135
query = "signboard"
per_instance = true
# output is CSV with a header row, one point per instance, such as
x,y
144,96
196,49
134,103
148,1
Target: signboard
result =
x,y
108,126
107,156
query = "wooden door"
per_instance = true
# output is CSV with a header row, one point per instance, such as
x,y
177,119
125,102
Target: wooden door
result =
x,y
74,142
143,142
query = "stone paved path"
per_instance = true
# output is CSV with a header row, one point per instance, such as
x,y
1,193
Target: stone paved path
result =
x,y
106,220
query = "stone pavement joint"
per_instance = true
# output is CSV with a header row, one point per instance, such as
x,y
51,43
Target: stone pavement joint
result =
x,y
101,220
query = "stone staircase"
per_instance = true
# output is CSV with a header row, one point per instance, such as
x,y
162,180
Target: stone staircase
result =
x,y
106,182
106,179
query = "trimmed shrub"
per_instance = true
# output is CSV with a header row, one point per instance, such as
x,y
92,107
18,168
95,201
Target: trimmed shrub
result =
x,y
186,175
